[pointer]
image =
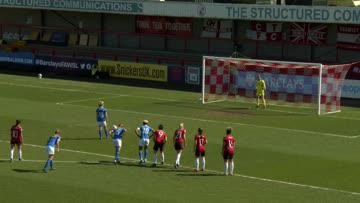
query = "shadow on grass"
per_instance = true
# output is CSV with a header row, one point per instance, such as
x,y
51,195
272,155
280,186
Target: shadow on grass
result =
x,y
168,170
199,174
81,138
27,170
111,163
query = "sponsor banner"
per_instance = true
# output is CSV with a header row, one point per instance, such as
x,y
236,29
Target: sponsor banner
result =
x,y
279,13
271,13
354,72
193,75
141,71
176,74
348,36
308,33
164,25
299,84
351,89
265,31
17,57
78,5
65,64
221,29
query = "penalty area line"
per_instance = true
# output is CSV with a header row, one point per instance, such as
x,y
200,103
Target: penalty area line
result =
x,y
211,171
223,122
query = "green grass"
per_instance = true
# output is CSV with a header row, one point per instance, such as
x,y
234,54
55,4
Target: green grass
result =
x,y
282,152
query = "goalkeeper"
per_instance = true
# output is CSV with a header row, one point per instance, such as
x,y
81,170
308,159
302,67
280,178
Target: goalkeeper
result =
x,y
260,91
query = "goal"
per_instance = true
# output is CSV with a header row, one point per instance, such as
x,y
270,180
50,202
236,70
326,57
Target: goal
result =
x,y
312,85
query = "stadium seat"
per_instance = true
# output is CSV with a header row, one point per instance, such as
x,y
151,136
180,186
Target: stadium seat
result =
x,y
93,40
84,39
73,39
46,36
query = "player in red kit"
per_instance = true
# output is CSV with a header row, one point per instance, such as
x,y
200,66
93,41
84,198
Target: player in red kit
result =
x,y
228,150
179,140
160,138
16,138
199,148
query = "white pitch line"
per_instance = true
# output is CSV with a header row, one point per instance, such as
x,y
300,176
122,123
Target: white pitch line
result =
x,y
225,122
212,171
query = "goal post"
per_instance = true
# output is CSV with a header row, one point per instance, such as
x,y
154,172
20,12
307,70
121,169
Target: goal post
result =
x,y
312,85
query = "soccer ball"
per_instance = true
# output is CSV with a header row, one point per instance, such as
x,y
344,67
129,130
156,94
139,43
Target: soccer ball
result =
x,y
39,75
114,127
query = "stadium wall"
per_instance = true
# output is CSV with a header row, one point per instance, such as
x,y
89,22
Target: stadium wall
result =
x,y
125,24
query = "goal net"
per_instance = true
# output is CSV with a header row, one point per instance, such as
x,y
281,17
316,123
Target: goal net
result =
x,y
311,85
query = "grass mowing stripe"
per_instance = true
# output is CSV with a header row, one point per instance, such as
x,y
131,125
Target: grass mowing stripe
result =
x,y
41,161
224,122
85,91
90,99
160,99
211,171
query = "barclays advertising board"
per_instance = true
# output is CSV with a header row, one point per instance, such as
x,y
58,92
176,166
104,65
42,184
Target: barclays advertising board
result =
x,y
65,65
23,58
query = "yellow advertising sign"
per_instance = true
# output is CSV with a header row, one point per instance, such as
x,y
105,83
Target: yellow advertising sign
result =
x,y
140,71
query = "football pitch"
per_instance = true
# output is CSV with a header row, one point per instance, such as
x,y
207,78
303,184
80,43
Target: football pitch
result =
x,y
284,154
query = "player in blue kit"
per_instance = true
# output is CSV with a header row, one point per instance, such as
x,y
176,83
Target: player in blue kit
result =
x,y
53,141
117,134
101,118
144,133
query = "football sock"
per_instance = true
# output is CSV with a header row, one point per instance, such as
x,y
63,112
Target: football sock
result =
x,y
140,155
12,153
20,154
145,154
264,103
197,164
106,133
232,167
100,134
155,158
203,163
177,159
46,164
162,157
51,163
226,166
117,153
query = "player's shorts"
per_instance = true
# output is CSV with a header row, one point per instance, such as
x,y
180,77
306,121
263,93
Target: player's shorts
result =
x,y
228,155
179,146
260,93
16,141
144,142
158,146
117,142
50,150
199,153
101,123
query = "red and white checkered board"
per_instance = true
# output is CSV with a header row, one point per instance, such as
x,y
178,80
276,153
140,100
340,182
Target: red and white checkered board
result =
x,y
219,80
